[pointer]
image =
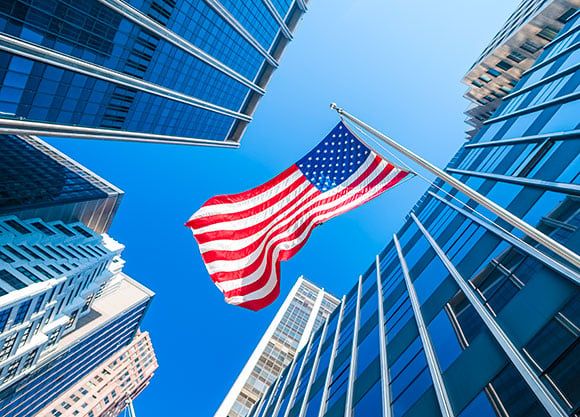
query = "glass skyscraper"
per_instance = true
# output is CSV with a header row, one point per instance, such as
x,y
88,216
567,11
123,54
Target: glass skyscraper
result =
x,y
38,181
462,315
184,72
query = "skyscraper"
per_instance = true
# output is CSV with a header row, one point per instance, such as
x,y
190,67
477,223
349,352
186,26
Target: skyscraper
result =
x,y
38,181
510,54
305,309
111,324
65,304
49,275
460,315
150,71
104,391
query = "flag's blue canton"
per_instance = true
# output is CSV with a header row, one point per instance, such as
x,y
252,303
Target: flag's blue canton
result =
x,y
335,159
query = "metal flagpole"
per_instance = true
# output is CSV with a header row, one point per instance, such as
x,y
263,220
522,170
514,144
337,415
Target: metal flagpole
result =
x,y
515,221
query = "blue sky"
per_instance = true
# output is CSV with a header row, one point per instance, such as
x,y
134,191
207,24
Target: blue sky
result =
x,y
396,65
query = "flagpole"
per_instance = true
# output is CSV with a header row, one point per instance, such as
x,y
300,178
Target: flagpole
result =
x,y
515,221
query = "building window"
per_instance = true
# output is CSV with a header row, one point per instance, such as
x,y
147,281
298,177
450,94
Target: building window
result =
x,y
493,72
484,78
12,369
82,231
72,319
17,226
513,395
5,258
43,271
88,302
555,350
465,320
53,338
4,314
7,346
16,253
10,279
67,252
63,229
531,47
21,313
25,335
497,282
30,252
516,57
24,271
477,83
504,65
65,405
548,33
30,359
54,269
564,18
43,252
43,228
38,304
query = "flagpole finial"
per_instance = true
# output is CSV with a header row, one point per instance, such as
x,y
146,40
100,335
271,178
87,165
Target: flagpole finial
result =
x,y
333,106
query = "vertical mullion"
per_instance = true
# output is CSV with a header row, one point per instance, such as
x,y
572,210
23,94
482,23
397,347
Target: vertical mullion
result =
x,y
354,350
434,369
331,363
385,379
538,388
313,371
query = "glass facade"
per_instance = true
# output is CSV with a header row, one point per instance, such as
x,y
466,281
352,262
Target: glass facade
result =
x,y
29,395
512,51
38,181
163,71
462,315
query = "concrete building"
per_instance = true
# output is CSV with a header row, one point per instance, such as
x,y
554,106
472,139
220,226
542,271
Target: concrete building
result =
x,y
111,323
65,305
510,54
305,309
104,391
38,181
149,71
461,315
49,275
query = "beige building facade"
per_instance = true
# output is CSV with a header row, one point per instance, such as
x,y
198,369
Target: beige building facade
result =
x,y
105,391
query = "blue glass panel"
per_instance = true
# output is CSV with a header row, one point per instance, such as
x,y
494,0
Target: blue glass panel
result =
x,y
566,118
479,407
371,404
428,280
444,340
368,350
313,406
412,393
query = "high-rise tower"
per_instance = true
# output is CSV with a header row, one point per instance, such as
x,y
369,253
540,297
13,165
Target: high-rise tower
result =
x,y
511,52
305,309
150,71
461,315
38,181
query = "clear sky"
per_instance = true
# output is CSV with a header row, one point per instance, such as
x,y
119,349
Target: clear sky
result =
x,y
396,65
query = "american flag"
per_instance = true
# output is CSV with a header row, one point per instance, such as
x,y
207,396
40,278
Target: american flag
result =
x,y
243,237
